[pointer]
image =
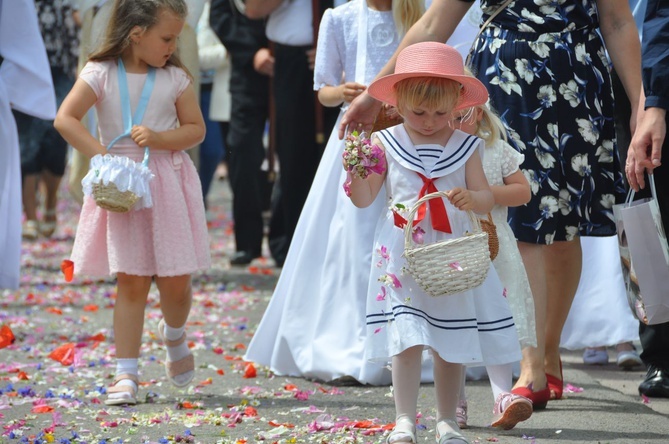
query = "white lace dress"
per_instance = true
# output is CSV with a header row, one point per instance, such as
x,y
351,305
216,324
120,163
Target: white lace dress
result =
x,y
499,161
314,325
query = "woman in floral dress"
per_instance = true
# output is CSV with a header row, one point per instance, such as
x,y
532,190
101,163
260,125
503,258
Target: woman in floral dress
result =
x,y
544,64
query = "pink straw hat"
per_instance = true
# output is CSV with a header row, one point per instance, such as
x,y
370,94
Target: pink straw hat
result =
x,y
430,59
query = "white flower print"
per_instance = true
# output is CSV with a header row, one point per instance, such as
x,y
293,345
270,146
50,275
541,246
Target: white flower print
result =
x,y
540,49
553,132
587,130
548,207
524,27
495,45
516,139
582,54
564,201
545,159
507,81
605,152
608,200
549,238
532,179
534,18
580,164
570,232
546,95
569,91
524,71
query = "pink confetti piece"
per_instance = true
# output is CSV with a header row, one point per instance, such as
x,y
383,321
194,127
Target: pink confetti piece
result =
x,y
645,399
572,389
455,266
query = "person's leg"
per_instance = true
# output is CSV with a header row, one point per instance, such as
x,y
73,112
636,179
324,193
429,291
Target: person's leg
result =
x,y
406,368
132,293
563,271
509,409
448,379
52,183
532,370
175,303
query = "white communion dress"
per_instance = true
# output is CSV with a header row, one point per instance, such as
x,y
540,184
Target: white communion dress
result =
x,y
314,325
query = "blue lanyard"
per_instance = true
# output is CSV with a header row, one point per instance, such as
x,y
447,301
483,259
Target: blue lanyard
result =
x,y
126,113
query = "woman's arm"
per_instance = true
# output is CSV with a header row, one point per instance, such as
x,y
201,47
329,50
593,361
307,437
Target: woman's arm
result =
x,y
336,95
621,37
437,25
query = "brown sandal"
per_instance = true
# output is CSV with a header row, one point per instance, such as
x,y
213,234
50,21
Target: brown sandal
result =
x,y
180,367
131,397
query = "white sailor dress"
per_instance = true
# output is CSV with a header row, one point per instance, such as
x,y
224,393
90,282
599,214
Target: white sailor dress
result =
x,y
473,327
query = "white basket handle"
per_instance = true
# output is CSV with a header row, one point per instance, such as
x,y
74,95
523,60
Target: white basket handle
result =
x,y
408,228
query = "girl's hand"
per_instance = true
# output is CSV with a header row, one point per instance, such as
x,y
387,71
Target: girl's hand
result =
x,y
461,199
351,90
143,136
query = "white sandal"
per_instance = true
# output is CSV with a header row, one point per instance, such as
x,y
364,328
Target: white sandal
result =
x,y
452,437
48,227
180,367
129,392
404,429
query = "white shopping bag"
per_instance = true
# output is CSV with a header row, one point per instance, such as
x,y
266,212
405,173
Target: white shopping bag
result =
x,y
644,256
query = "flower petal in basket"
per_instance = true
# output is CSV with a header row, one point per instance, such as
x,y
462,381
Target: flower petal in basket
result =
x,y
449,266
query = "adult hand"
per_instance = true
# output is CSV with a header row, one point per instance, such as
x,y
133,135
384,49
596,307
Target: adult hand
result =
x,y
645,152
360,115
263,62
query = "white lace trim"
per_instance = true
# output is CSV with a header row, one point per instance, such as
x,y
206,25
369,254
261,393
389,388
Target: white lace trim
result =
x,y
123,172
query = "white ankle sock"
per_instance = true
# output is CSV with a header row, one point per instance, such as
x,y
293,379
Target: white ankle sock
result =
x,y
125,366
174,334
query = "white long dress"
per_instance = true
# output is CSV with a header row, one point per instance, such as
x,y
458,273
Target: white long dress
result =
x,y
499,161
25,85
471,327
314,325
599,315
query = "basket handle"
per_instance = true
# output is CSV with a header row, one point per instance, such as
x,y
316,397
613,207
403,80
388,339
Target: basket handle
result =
x,y
408,228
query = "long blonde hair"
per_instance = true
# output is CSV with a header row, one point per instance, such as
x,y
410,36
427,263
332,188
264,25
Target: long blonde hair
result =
x,y
126,15
406,13
490,128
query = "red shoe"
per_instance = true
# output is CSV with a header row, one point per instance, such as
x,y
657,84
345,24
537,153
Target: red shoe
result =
x,y
556,385
539,398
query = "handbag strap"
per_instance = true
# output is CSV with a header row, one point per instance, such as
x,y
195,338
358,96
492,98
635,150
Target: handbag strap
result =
x,y
485,25
127,117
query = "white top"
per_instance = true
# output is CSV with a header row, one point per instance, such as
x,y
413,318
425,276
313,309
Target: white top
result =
x,y
338,40
291,24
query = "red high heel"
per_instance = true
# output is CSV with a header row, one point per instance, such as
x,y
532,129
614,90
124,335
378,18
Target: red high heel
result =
x,y
539,398
555,385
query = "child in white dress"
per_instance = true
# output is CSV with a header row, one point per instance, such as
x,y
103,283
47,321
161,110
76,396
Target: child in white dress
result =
x,y
423,155
510,187
164,237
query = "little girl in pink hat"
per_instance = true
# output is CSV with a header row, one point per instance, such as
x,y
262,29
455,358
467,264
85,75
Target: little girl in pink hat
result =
x,y
426,154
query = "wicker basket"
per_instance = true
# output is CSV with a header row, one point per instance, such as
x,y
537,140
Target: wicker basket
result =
x,y
449,266
112,199
489,227
383,120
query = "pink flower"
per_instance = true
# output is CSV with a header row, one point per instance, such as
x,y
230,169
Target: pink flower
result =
x,y
382,295
361,158
417,235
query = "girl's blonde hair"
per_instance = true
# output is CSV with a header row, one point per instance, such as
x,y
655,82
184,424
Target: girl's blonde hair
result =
x,y
126,15
406,13
490,128
430,92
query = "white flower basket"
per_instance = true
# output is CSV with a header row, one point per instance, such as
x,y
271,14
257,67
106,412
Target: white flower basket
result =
x,y
449,266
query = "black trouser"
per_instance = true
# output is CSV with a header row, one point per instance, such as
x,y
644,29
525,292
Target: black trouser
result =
x,y
654,338
246,153
296,146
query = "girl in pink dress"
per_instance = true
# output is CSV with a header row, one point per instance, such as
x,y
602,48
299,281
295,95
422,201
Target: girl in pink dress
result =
x,y
164,236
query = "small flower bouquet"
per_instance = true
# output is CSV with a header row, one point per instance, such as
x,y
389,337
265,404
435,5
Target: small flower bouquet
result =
x,y
361,158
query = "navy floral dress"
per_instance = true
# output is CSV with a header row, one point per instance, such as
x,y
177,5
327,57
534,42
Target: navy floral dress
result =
x,y
547,72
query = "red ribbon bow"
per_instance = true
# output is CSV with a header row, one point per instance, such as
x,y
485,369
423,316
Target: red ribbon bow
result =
x,y
438,215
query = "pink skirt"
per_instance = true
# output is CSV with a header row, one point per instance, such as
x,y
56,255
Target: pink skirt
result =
x,y
169,239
